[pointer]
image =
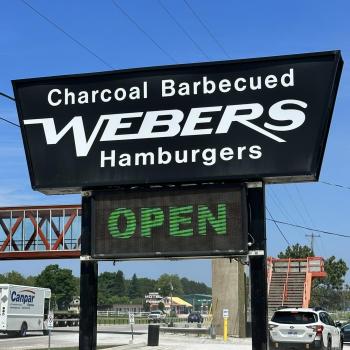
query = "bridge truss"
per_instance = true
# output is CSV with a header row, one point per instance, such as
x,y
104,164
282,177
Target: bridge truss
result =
x,y
40,232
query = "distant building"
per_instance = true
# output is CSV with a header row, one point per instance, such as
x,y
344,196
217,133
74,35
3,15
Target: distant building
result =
x,y
177,304
200,302
126,308
174,303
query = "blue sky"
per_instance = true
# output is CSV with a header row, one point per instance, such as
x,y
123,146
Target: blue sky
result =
x,y
30,47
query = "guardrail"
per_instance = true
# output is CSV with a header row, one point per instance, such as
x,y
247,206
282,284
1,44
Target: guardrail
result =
x,y
114,313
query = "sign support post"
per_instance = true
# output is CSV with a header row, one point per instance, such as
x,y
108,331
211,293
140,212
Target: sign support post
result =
x,y
225,316
132,322
257,231
50,319
88,282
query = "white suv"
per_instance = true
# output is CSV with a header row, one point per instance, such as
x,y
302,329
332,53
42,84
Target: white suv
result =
x,y
156,316
299,328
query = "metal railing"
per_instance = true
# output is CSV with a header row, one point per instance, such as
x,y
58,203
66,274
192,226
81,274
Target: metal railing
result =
x,y
40,231
313,267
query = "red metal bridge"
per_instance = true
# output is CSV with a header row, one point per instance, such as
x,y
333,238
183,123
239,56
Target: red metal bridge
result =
x,y
40,232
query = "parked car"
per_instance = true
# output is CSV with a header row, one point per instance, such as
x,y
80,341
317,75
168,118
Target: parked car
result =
x,y
345,332
156,316
303,328
195,317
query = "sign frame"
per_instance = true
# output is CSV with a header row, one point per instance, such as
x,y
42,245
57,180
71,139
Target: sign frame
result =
x,y
319,146
176,254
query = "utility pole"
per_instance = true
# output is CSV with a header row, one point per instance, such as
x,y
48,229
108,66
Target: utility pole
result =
x,y
312,238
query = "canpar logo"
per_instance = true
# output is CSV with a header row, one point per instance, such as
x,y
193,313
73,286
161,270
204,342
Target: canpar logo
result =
x,y
24,296
244,114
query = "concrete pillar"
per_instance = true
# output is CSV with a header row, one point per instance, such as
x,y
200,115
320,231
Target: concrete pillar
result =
x,y
228,289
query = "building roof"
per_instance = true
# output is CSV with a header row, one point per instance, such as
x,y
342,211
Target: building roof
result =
x,y
179,301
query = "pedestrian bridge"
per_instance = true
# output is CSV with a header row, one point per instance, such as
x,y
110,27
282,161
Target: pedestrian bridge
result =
x,y
40,232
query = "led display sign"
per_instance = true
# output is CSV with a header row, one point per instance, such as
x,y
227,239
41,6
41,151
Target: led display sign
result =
x,y
169,223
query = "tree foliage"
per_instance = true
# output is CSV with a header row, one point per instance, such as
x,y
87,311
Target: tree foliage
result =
x,y
134,289
111,286
336,271
168,284
61,282
296,251
14,277
192,287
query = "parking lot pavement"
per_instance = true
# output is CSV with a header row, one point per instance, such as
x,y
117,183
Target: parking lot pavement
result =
x,y
196,344
189,342
122,341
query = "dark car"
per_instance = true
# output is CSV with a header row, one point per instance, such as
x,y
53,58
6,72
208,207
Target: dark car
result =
x,y
195,317
345,332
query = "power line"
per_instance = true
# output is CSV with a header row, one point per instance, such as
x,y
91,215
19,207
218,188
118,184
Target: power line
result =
x,y
335,185
294,204
310,229
7,96
8,121
124,12
281,206
183,29
303,204
68,35
279,229
206,28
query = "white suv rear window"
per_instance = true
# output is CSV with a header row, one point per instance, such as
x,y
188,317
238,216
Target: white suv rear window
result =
x,y
294,317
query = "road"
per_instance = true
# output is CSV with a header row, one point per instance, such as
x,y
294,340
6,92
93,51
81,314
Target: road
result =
x,y
122,340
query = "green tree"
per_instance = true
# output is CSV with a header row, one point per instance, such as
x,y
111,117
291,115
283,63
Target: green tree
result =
x,y
146,285
336,271
111,285
134,289
61,282
168,284
161,306
147,307
120,283
330,292
296,251
31,281
13,277
192,287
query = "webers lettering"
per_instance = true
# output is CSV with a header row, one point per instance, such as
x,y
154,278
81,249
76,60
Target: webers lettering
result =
x,y
243,114
123,222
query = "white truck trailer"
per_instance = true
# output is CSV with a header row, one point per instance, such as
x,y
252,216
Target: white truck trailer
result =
x,y
23,308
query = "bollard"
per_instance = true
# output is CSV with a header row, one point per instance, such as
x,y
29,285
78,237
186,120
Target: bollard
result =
x,y
153,335
212,332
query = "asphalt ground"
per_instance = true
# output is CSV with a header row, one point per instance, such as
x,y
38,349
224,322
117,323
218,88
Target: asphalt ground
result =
x,y
120,339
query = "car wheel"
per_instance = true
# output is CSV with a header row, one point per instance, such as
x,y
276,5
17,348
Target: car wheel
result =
x,y
23,331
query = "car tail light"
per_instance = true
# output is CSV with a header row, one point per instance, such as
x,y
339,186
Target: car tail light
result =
x,y
317,328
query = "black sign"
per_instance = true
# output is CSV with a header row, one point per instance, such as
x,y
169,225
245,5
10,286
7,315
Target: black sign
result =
x,y
169,223
260,119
